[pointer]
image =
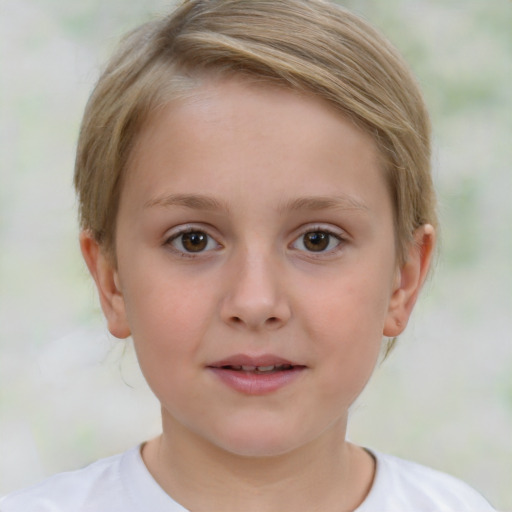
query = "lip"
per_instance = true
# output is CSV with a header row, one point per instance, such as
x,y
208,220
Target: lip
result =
x,y
255,383
248,360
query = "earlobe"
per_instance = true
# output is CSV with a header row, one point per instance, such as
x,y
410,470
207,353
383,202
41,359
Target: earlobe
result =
x,y
410,279
107,282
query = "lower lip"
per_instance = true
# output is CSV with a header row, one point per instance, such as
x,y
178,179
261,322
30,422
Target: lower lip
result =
x,y
251,383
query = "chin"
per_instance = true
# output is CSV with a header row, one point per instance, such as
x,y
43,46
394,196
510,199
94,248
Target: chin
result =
x,y
258,448
260,440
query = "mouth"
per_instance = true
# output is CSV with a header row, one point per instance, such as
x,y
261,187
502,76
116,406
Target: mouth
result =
x,y
273,368
266,363
256,375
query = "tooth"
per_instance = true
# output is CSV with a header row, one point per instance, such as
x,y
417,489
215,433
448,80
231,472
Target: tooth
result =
x,y
248,368
265,368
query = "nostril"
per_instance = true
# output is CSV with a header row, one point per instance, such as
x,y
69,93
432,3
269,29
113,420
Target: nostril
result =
x,y
270,322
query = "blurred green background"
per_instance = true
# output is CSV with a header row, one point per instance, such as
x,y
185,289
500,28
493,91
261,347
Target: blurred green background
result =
x,y
70,394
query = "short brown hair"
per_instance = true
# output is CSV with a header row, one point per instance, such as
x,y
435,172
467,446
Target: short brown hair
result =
x,y
309,45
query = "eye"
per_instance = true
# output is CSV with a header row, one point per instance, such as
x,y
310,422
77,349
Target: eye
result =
x,y
192,241
317,241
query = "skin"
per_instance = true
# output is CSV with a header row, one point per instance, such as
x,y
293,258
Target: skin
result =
x,y
253,169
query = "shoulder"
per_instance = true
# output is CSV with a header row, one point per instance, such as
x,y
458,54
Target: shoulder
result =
x,y
401,485
74,490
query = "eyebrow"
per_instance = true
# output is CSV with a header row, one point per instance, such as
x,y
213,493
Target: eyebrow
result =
x,y
193,201
341,202
313,203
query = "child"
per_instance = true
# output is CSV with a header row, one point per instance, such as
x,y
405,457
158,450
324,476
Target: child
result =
x,y
257,213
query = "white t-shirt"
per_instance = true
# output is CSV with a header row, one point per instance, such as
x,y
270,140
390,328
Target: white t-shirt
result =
x,y
123,484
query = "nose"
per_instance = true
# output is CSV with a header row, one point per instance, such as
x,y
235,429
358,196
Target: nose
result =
x,y
255,297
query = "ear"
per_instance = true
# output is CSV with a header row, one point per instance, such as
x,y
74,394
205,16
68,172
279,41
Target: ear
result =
x,y
106,278
409,280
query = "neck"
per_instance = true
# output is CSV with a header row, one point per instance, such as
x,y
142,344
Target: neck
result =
x,y
326,474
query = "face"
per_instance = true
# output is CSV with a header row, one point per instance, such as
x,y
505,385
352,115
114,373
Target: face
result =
x,y
256,266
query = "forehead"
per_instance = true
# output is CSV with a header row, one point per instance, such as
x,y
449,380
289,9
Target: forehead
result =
x,y
232,100
237,130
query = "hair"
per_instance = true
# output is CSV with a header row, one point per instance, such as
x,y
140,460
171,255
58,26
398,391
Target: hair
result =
x,y
311,46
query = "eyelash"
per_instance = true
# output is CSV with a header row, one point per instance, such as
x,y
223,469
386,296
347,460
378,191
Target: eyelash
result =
x,y
181,233
330,234
299,239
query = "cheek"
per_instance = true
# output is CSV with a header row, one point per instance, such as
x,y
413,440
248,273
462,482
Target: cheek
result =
x,y
165,305
168,320
347,327
352,310
350,351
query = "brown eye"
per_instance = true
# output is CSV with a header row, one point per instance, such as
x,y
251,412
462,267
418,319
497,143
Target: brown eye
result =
x,y
316,241
320,241
193,242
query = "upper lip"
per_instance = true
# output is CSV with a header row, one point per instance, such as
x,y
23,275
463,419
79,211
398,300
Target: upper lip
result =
x,y
248,360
